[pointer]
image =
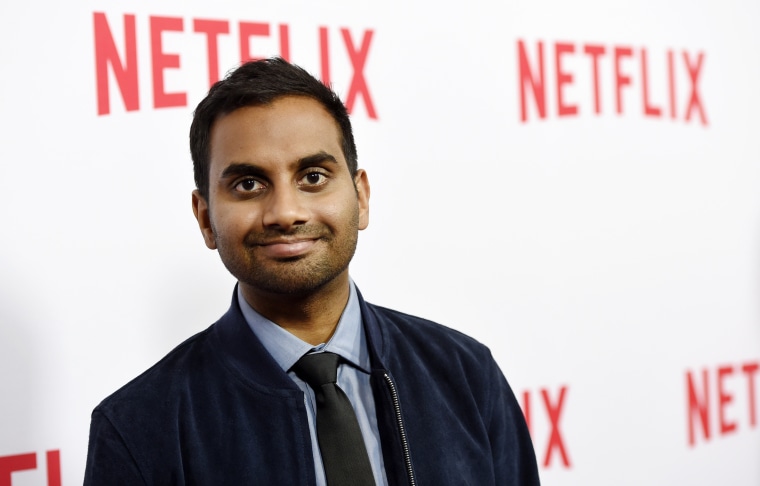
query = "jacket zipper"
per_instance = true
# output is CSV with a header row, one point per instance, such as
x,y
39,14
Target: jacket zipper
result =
x,y
401,429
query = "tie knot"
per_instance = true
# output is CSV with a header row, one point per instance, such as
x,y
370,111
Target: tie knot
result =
x,y
317,369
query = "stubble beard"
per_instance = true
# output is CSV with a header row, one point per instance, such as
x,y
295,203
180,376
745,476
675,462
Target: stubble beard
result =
x,y
298,276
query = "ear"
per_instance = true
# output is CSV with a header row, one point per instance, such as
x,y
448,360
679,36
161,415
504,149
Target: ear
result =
x,y
362,192
200,210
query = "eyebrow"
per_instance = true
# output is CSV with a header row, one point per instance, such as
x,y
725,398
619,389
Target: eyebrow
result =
x,y
237,169
317,158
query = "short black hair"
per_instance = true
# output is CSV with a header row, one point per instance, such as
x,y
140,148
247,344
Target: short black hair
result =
x,y
257,83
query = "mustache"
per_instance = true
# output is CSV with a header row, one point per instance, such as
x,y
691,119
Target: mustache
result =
x,y
300,232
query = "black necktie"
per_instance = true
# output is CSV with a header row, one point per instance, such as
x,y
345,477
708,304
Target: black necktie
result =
x,y
344,454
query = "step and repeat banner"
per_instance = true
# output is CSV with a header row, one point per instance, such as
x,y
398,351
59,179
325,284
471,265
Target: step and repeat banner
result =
x,y
575,184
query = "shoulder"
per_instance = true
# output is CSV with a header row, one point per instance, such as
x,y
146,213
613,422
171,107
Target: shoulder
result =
x,y
404,334
161,380
414,327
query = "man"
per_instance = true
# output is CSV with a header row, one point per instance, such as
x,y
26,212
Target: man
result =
x,y
280,197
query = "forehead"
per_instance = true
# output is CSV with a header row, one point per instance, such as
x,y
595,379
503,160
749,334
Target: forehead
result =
x,y
288,128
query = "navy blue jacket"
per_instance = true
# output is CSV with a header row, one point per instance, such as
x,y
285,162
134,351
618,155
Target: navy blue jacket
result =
x,y
218,410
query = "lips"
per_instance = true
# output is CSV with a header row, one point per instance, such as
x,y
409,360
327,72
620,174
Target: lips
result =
x,y
286,248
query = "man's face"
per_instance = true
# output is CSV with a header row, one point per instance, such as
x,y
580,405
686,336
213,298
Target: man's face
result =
x,y
283,209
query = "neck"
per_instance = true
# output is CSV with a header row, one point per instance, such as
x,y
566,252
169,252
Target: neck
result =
x,y
311,317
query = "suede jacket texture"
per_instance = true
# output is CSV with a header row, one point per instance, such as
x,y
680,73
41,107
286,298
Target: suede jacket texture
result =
x,y
218,410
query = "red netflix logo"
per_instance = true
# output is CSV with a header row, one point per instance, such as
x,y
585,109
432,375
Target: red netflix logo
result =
x,y
630,71
705,402
25,462
551,405
124,66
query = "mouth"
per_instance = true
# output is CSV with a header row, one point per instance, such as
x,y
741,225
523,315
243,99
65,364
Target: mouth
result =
x,y
282,248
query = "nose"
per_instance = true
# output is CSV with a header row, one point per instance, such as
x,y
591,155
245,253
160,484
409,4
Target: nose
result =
x,y
285,208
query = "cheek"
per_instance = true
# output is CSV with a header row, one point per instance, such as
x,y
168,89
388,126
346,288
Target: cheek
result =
x,y
341,213
232,222
338,208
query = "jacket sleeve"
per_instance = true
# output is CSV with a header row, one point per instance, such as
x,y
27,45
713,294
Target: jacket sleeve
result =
x,y
513,456
109,461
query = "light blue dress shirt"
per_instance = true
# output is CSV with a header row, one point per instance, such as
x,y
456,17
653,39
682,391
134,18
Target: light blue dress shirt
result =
x,y
349,342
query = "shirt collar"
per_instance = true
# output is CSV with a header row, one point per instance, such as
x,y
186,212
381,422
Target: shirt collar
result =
x,y
348,340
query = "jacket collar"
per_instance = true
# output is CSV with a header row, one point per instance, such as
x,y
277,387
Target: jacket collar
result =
x,y
243,353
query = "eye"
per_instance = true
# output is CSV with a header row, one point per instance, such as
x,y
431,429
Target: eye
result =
x,y
248,185
313,178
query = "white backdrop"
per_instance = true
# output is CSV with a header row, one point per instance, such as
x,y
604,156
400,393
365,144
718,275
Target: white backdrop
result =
x,y
609,258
